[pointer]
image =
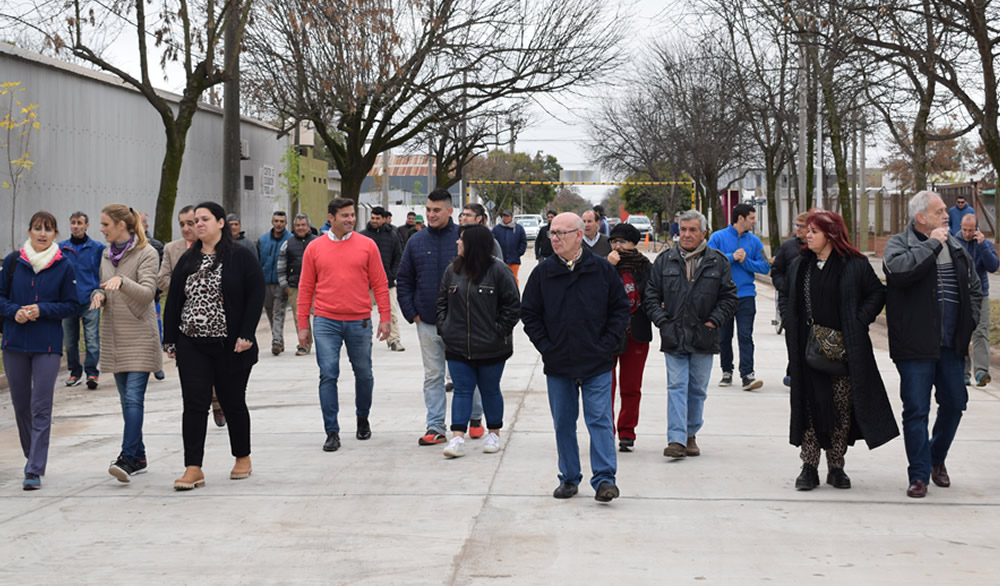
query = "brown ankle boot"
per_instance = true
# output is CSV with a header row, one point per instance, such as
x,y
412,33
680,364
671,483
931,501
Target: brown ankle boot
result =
x,y
242,469
193,478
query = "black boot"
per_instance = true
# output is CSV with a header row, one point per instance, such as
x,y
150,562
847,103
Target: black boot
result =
x,y
837,478
808,479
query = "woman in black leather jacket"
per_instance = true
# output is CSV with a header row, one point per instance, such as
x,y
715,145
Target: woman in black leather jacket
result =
x,y
477,308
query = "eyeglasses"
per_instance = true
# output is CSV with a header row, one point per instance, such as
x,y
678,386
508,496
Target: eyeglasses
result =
x,y
617,241
560,234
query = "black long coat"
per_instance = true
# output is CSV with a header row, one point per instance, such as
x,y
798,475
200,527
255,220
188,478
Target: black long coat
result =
x,y
862,297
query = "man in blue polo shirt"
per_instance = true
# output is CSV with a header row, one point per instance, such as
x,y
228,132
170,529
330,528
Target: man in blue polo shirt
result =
x,y
746,255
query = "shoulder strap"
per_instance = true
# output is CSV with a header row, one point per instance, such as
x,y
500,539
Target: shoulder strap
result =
x,y
8,268
807,293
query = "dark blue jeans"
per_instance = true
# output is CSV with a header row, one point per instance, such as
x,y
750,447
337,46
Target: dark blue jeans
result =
x,y
132,394
466,378
91,334
746,310
915,380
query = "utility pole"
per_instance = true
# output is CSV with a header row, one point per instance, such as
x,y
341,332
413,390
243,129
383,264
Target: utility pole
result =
x,y
820,179
385,178
803,123
231,116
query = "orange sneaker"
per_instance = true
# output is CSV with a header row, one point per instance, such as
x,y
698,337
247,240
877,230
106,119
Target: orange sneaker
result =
x,y
432,437
476,429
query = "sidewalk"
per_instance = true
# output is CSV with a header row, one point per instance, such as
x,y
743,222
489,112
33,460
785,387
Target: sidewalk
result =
x,y
388,511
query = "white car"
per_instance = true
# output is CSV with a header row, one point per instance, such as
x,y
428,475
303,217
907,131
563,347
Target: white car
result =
x,y
531,223
641,223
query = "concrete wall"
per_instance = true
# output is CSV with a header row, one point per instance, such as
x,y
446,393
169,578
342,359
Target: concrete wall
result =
x,y
101,142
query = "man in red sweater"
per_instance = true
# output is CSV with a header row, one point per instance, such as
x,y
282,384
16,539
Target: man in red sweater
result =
x,y
338,269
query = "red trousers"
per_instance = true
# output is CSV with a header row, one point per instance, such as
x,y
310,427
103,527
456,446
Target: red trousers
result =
x,y
630,366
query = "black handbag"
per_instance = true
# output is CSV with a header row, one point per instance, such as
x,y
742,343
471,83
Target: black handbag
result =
x,y
825,350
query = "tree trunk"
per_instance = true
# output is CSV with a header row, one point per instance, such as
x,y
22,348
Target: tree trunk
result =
x,y
170,173
771,176
839,160
712,195
919,146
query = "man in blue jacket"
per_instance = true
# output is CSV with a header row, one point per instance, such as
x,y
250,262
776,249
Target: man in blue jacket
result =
x,y
275,299
427,255
575,312
84,253
513,240
985,261
746,256
956,213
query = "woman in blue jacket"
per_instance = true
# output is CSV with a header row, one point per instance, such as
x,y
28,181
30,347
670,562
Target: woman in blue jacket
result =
x,y
37,290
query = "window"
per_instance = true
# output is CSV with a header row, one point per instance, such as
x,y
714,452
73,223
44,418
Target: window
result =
x,y
248,182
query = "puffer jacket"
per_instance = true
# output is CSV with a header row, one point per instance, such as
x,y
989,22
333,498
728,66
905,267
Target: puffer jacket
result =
x,y
130,333
268,248
53,289
680,308
389,248
427,255
290,260
476,320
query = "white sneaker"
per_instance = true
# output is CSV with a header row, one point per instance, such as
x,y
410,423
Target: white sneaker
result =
x,y
455,448
491,443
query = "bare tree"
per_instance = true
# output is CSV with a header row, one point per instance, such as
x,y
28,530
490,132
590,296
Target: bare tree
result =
x,y
187,32
381,72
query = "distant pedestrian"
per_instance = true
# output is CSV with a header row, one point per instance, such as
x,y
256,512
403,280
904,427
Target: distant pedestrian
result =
x,y
985,261
746,256
173,251
84,253
474,213
788,251
404,230
210,321
391,251
956,213
290,268
427,256
630,357
513,240
275,300
543,246
932,307
338,271
593,240
575,312
602,221
477,308
834,293
37,291
158,247
690,295
130,341
239,236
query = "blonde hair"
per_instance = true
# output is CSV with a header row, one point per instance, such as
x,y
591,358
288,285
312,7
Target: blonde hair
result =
x,y
133,221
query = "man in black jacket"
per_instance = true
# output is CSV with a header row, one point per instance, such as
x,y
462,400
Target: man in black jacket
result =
x,y
932,307
391,249
689,295
543,246
290,267
575,312
786,253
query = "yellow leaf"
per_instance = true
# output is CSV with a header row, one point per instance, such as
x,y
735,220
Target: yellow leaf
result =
x,y
35,125
6,185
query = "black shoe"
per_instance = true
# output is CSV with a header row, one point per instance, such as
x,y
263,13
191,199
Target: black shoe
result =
x,y
449,386
364,429
332,443
123,470
606,492
565,490
837,478
808,479
625,444
139,467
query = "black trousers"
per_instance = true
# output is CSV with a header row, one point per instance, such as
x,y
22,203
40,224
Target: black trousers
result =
x,y
203,366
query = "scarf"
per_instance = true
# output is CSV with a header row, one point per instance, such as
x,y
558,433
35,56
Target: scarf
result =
x,y
116,251
692,259
78,241
39,260
633,262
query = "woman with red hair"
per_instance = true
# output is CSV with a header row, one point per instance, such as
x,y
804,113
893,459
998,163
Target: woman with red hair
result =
x,y
834,291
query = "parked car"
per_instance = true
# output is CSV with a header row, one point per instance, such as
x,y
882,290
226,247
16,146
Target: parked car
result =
x,y
612,222
531,223
641,223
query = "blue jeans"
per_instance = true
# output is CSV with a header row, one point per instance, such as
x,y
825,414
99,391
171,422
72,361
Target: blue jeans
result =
x,y
435,399
915,380
597,412
746,310
687,388
467,379
329,335
91,336
132,394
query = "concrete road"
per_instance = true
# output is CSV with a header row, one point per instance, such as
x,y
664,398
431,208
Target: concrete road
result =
x,y
387,511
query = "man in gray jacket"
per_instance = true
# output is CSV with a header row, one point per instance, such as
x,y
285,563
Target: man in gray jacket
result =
x,y
690,294
290,266
932,306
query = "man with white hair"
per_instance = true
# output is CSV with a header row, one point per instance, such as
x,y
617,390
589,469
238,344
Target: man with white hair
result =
x,y
932,308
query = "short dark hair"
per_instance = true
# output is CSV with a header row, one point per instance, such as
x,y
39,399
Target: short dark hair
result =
x,y
378,211
279,213
440,195
338,204
411,214
551,212
74,215
741,210
475,208
387,214
185,210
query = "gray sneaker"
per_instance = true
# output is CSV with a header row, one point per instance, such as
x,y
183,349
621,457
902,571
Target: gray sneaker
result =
x,y
727,379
